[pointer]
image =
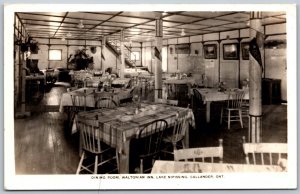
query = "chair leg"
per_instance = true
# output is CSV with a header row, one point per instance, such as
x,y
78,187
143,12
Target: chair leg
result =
x,y
221,119
183,144
241,118
174,146
141,166
96,165
80,162
229,113
117,158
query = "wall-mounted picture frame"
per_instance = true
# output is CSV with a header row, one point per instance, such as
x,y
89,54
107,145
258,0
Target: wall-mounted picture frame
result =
x,y
210,51
231,51
245,50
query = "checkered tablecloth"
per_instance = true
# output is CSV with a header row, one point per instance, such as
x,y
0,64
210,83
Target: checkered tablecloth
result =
x,y
122,124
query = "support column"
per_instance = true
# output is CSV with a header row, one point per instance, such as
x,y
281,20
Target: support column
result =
x,y
23,112
122,65
255,78
158,57
103,45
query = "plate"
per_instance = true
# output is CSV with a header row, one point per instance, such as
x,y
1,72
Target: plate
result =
x,y
129,113
126,118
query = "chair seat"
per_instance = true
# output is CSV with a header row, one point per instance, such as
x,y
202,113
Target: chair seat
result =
x,y
170,138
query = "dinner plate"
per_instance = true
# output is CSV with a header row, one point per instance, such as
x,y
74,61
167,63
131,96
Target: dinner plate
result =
x,y
126,118
129,113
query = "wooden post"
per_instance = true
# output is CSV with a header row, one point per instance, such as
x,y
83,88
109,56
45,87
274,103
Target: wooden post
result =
x,y
103,45
23,112
158,57
122,65
255,77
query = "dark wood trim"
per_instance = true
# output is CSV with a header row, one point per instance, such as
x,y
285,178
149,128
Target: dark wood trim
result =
x,y
61,23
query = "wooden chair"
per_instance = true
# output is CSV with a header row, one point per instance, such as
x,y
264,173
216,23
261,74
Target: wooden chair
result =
x,y
264,153
129,99
176,137
202,154
92,146
245,108
167,101
245,105
78,83
148,143
79,100
233,110
105,100
197,103
78,104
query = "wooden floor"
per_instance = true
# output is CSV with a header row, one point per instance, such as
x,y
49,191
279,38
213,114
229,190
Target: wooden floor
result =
x,y
42,145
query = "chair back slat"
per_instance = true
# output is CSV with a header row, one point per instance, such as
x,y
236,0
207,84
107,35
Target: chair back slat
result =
x,y
105,100
150,137
200,153
235,99
89,134
267,152
78,100
180,127
197,94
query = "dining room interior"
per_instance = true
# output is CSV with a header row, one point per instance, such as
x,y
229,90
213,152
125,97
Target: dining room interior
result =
x,y
127,92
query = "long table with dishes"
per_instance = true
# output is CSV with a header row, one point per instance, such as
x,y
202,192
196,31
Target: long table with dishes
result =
x,y
120,125
163,166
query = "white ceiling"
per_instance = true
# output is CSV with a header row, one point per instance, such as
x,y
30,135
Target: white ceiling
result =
x,y
138,26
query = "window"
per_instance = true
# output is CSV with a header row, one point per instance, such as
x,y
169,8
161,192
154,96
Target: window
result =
x,y
135,56
55,55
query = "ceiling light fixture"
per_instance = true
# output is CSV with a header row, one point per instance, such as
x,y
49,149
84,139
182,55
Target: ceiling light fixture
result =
x,y
80,25
182,32
69,34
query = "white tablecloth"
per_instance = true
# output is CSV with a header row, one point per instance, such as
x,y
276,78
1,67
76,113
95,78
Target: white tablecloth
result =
x,y
212,94
66,99
161,166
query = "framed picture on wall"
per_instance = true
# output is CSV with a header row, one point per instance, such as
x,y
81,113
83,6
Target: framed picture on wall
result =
x,y
245,50
210,51
231,51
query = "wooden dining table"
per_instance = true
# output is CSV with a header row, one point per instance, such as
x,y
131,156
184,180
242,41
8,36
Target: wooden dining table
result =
x,y
89,101
120,125
210,95
163,166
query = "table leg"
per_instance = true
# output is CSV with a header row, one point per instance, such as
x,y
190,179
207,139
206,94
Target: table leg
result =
x,y
208,111
124,158
187,136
